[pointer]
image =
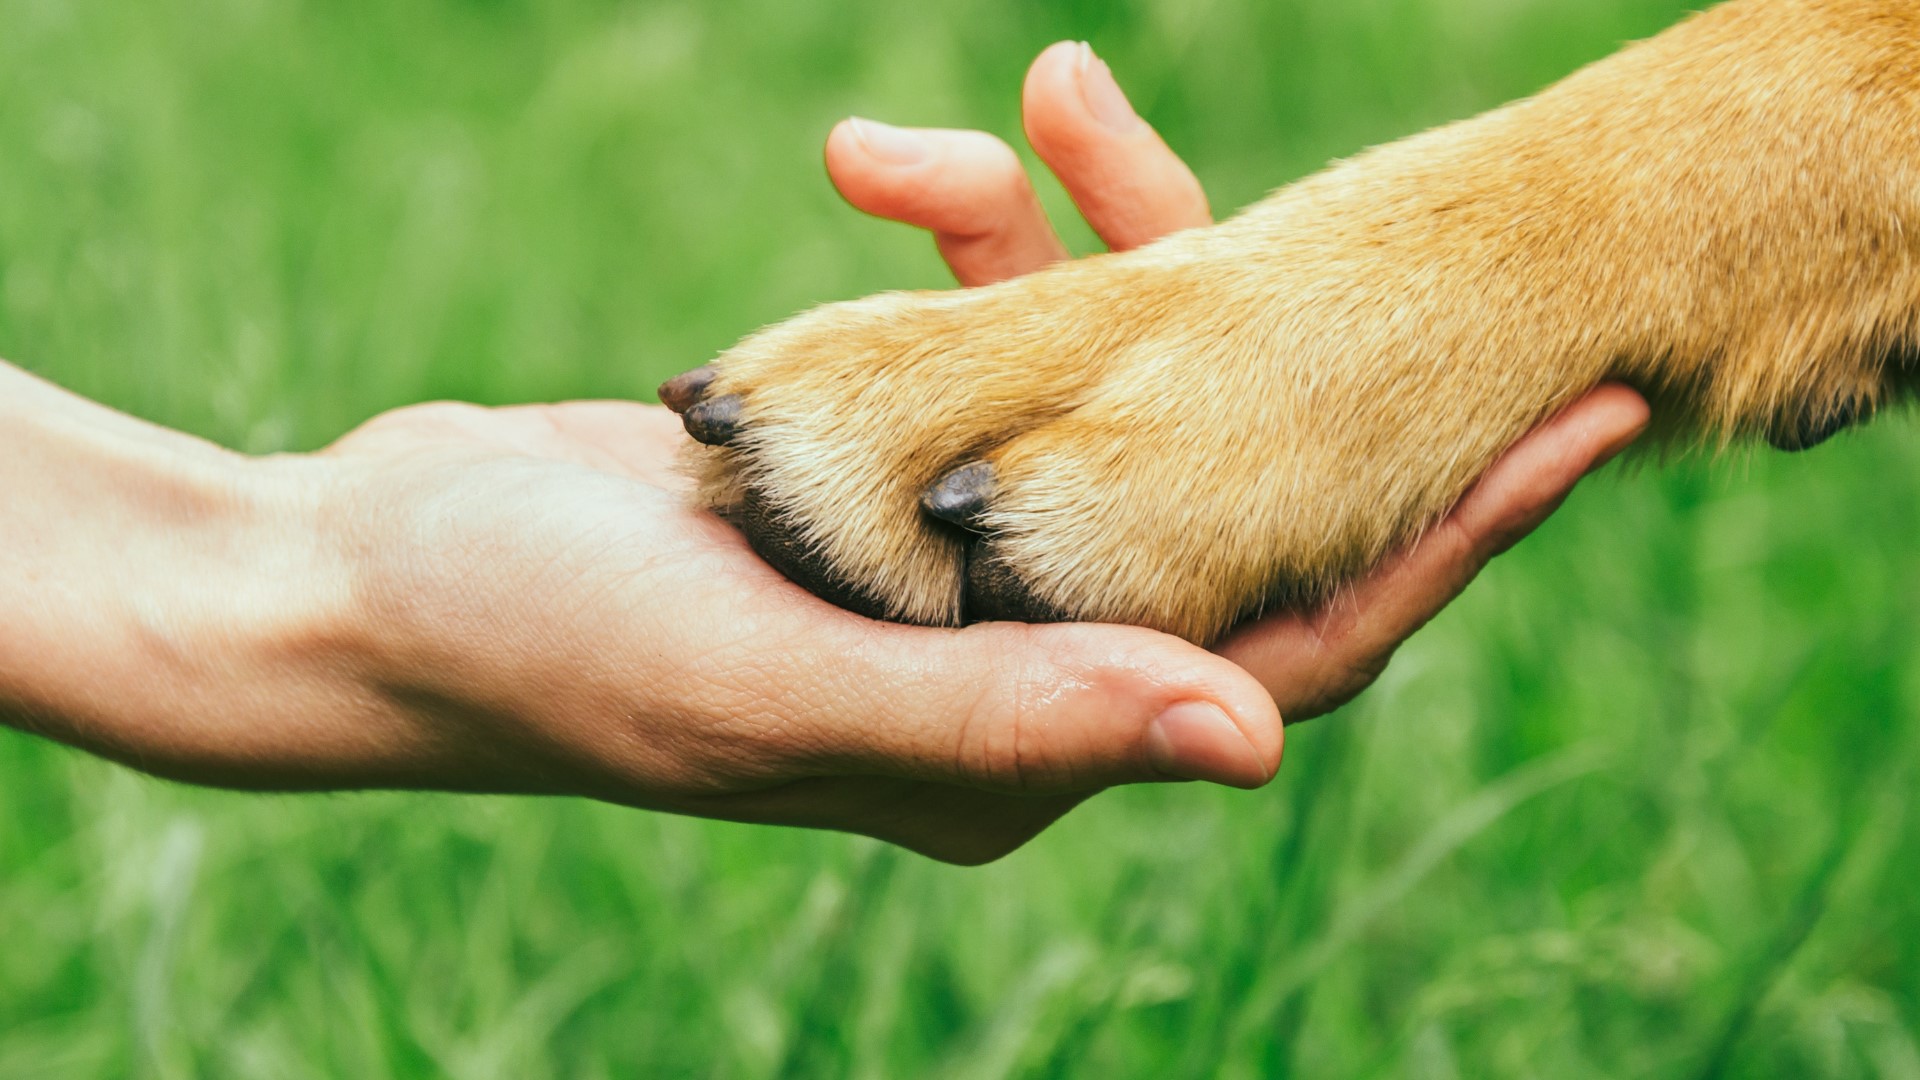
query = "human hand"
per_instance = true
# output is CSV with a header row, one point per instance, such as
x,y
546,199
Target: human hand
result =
x,y
520,600
523,600
765,704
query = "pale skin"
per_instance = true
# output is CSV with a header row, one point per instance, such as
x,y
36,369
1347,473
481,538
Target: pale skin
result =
x,y
522,600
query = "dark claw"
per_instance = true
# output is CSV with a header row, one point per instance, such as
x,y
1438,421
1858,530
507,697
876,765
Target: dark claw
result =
x,y
961,496
684,391
713,422
1814,428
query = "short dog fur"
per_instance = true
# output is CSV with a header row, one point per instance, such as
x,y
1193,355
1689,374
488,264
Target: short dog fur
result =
x,y
1247,416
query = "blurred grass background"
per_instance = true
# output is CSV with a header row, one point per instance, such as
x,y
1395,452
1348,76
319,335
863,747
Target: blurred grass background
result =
x,y
1640,805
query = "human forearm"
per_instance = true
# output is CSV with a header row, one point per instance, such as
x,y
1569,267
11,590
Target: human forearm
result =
x,y
163,601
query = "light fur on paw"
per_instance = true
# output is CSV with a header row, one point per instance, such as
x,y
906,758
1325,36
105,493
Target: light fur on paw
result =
x,y
1247,416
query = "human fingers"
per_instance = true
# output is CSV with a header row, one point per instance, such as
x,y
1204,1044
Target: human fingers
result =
x,y
1313,663
1129,185
1025,709
966,187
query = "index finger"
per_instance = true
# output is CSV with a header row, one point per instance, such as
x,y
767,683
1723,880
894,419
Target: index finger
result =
x,y
966,187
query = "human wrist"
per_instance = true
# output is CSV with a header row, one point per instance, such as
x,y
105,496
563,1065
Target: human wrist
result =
x,y
164,602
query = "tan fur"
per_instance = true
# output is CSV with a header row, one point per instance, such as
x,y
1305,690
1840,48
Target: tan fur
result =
x,y
1726,216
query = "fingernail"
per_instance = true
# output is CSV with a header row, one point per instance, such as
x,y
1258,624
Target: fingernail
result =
x,y
1102,95
1195,740
894,145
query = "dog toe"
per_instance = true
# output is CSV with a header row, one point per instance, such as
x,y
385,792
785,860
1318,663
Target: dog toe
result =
x,y
778,540
995,591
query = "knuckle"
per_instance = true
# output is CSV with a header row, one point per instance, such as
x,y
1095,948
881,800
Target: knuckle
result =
x,y
1015,744
440,412
992,744
430,416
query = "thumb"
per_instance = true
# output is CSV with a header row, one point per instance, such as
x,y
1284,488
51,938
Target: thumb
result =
x,y
1043,709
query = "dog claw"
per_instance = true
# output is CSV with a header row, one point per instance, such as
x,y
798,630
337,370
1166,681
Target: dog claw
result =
x,y
684,391
961,496
713,422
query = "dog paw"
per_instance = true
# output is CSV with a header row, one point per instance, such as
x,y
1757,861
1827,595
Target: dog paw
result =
x,y
1151,438
1247,416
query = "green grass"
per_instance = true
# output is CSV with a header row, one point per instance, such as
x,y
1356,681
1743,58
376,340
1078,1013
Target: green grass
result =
x,y
1640,805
